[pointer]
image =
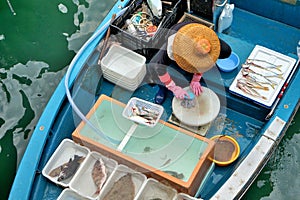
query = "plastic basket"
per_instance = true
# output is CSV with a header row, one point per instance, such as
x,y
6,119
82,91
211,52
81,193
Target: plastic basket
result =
x,y
147,47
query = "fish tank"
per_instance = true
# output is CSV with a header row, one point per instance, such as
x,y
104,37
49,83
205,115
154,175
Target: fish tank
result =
x,y
165,152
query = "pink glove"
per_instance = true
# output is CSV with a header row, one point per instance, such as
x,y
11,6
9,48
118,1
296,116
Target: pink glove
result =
x,y
195,84
177,91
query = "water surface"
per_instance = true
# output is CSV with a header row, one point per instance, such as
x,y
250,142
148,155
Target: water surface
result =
x,y
36,46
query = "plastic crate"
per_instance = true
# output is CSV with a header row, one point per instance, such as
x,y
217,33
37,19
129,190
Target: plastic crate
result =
x,y
147,47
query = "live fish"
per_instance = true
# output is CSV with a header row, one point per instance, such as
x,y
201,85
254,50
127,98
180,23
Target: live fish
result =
x,y
99,175
68,169
122,189
175,174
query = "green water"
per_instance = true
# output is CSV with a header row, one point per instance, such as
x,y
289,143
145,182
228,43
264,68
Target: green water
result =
x,y
38,43
36,46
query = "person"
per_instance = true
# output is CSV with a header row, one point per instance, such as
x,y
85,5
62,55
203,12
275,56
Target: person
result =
x,y
195,49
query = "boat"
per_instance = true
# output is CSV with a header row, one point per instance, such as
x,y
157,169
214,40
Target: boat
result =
x,y
252,126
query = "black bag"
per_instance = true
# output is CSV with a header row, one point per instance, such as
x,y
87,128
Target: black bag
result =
x,y
203,8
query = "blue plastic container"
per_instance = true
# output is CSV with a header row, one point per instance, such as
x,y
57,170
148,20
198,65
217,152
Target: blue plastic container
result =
x,y
230,63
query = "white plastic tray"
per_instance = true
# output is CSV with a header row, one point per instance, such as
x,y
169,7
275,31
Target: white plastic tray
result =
x,y
140,103
263,53
123,61
153,189
138,179
64,152
68,194
83,182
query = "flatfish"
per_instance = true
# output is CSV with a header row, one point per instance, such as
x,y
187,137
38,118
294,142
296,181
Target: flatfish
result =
x,y
67,169
99,175
122,189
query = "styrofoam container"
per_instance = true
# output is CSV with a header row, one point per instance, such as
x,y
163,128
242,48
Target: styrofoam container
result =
x,y
83,182
123,61
66,150
68,194
137,178
153,189
140,103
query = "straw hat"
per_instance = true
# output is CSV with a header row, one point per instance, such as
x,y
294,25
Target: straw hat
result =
x,y
196,48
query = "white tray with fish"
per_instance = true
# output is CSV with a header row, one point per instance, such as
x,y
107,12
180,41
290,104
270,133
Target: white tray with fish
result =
x,y
124,183
65,162
93,174
143,112
262,75
68,194
153,189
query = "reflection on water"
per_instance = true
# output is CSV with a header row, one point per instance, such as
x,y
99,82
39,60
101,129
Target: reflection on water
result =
x,y
36,45
25,94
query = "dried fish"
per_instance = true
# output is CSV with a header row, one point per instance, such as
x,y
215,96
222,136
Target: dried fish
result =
x,y
99,175
270,65
68,169
250,91
258,78
122,189
267,74
252,83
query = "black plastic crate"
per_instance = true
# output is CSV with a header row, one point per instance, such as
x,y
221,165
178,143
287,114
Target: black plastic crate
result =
x,y
147,47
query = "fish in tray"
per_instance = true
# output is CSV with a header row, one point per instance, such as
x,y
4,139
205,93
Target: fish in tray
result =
x,y
249,90
67,169
143,115
122,189
99,175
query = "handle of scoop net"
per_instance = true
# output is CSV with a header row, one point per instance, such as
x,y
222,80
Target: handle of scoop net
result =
x,y
127,137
